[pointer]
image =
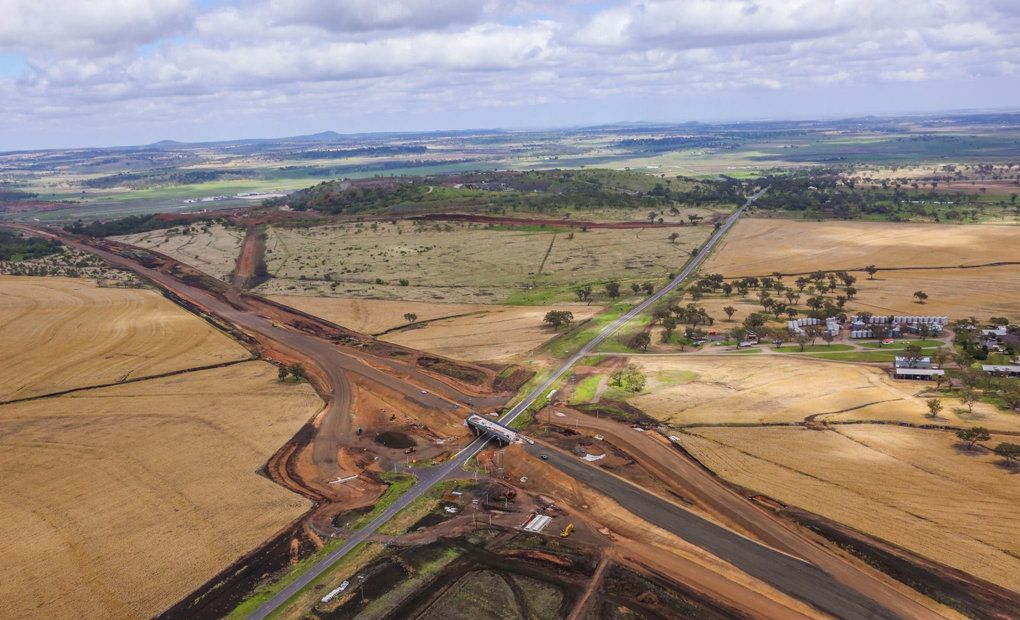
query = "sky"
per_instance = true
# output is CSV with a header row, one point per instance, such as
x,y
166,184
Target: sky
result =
x,y
119,72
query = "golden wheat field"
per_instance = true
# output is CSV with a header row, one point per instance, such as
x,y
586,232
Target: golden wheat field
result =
x,y
63,333
914,488
119,501
781,388
213,250
761,246
474,332
982,293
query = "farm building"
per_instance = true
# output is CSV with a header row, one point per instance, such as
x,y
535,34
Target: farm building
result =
x,y
913,362
918,374
1002,370
796,326
916,368
897,326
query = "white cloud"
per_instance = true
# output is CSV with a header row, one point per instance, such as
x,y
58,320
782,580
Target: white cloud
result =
x,y
92,27
170,59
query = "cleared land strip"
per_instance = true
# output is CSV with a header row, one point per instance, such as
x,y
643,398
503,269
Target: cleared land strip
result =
x,y
792,576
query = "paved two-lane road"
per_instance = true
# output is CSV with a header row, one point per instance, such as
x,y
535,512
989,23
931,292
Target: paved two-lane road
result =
x,y
428,478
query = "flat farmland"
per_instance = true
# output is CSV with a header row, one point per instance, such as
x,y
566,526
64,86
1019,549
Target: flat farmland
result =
x,y
914,488
761,246
63,333
468,263
213,250
119,501
472,332
779,388
980,292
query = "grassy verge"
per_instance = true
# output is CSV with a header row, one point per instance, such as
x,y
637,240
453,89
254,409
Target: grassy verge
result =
x,y
571,341
813,348
901,344
585,391
361,554
860,356
399,484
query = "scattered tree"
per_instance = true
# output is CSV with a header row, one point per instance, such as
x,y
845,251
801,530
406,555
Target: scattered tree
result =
x,y
558,318
1008,451
934,407
629,378
871,270
968,396
973,435
410,317
729,310
921,296
641,341
613,289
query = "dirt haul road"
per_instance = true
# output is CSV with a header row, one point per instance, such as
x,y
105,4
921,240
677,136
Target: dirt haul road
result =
x,y
729,507
328,364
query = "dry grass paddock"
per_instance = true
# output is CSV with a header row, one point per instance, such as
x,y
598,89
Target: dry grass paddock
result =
x,y
63,333
475,332
914,488
213,251
468,263
119,501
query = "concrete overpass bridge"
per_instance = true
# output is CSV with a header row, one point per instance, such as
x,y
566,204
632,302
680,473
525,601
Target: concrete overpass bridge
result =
x,y
497,431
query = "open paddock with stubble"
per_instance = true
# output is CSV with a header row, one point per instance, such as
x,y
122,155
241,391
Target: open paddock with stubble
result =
x,y
212,249
474,332
468,262
758,246
919,489
120,501
64,333
750,389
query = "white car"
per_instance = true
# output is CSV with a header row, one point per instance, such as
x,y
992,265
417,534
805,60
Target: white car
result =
x,y
424,391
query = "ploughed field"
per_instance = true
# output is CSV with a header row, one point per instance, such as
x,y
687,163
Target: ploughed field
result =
x,y
119,501
468,262
64,333
477,332
919,489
